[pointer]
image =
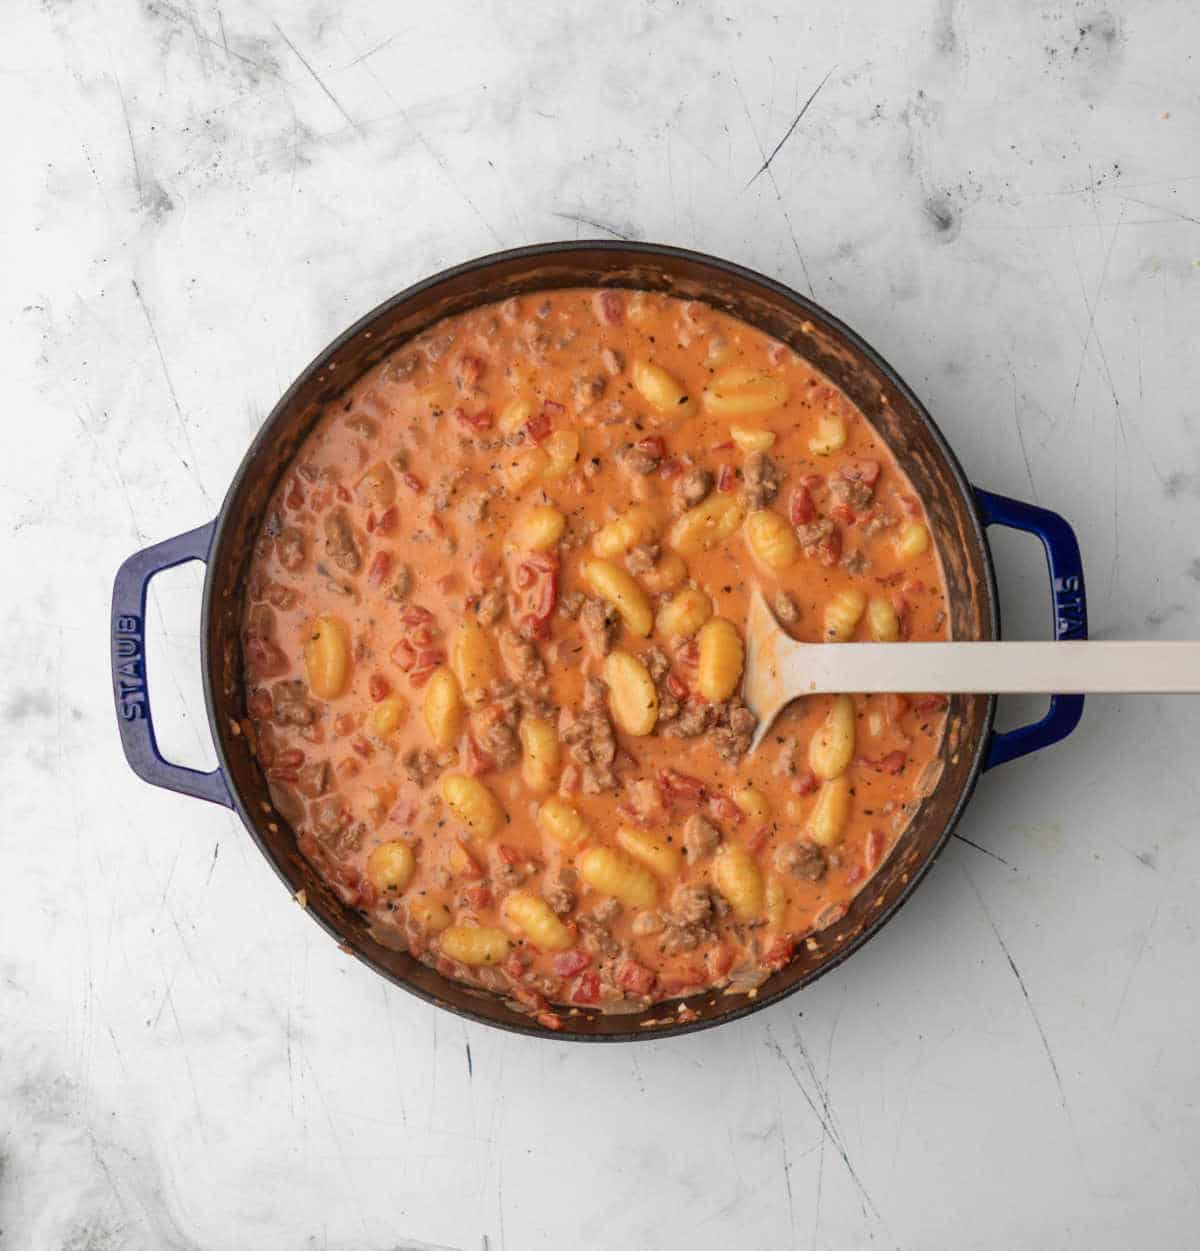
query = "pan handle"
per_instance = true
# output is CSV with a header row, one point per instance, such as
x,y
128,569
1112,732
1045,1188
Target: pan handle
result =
x,y
1070,616
130,692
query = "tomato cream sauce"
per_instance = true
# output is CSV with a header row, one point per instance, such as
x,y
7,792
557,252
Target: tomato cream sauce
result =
x,y
487,676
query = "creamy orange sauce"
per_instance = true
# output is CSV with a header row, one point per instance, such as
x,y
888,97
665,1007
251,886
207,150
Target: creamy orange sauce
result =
x,y
408,512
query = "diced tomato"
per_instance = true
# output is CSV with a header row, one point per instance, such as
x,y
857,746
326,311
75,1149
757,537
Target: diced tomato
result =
x,y
414,614
726,478
363,748
758,839
260,705
281,773
672,467
387,520
263,658
347,875
843,513
568,963
676,685
877,842
467,373
475,760
911,505
404,655
812,482
864,471
894,762
508,854
635,977
778,953
609,307
430,658
587,988
801,509
343,494
404,812
538,427
422,636
378,687
675,785
379,569
724,809
477,896
419,677
264,745
478,422
829,550
931,703
290,758
413,483
805,782
652,445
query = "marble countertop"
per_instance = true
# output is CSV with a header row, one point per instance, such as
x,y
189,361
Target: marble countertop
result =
x,y
1005,201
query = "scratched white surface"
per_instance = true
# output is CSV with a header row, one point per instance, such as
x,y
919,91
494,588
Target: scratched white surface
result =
x,y
1005,200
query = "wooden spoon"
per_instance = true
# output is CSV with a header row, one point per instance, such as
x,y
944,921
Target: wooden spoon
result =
x,y
779,669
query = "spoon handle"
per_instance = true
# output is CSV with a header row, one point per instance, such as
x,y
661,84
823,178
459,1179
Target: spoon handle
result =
x,y
992,668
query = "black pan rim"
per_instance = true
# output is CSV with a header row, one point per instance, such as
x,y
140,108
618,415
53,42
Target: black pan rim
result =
x,y
733,269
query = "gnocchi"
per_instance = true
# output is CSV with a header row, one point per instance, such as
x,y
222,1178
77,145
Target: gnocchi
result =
x,y
832,747
472,803
474,944
534,917
618,587
327,658
739,878
772,540
614,873
632,697
443,708
743,390
662,391
721,657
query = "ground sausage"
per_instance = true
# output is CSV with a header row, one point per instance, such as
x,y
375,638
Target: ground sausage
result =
x,y
693,487
340,542
700,837
802,859
762,477
598,621
291,548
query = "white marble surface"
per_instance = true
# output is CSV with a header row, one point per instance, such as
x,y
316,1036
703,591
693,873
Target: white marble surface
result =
x,y
1005,200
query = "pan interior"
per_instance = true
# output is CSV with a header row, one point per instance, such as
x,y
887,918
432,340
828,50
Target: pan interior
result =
x,y
815,335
